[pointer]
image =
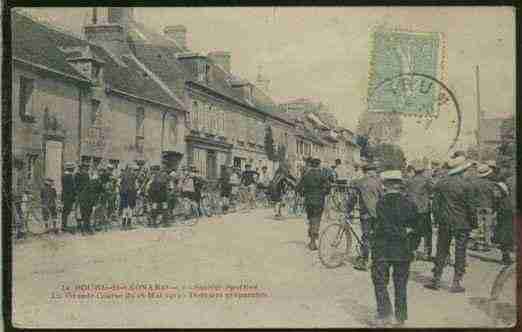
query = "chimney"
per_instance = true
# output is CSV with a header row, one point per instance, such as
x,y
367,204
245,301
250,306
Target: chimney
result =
x,y
178,33
221,58
113,33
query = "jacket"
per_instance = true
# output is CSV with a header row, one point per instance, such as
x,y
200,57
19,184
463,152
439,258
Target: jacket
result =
x,y
454,204
314,186
48,196
390,240
68,187
418,189
370,191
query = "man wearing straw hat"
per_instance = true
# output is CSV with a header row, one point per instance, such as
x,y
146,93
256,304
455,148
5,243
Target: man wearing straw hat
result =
x,y
484,189
419,190
454,207
393,243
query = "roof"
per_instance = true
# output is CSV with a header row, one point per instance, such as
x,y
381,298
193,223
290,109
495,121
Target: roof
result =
x,y
158,53
39,44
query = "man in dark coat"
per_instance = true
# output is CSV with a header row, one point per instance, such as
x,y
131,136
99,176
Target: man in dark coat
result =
x,y
314,186
370,190
484,189
418,188
505,206
393,243
86,199
68,193
48,197
157,193
248,180
128,194
454,210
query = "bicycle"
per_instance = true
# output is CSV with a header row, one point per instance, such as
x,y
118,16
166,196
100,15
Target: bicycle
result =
x,y
336,240
506,276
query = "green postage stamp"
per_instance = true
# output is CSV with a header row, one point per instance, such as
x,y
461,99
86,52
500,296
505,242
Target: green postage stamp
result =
x,y
404,69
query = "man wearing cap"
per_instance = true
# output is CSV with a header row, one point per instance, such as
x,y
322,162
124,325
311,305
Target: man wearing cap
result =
x,y
18,185
103,191
48,198
314,186
393,243
128,194
418,189
369,189
84,198
454,210
504,233
157,193
248,180
68,193
484,190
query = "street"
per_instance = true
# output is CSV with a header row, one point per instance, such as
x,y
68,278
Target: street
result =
x,y
193,270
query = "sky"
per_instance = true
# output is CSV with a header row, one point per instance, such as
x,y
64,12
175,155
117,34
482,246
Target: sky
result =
x,y
323,52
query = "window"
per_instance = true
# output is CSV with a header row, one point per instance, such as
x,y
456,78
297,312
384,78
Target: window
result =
x,y
26,99
140,122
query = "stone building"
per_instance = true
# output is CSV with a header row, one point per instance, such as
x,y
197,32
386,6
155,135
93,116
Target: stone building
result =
x,y
90,99
228,115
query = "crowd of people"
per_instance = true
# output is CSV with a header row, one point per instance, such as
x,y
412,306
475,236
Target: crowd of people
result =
x,y
466,200
472,203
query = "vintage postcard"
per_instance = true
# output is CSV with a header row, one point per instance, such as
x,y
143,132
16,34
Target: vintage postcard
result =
x,y
262,167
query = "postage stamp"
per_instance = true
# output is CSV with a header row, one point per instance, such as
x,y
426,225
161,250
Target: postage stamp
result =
x,y
399,53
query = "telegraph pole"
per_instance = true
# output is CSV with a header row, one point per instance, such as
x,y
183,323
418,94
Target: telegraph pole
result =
x,y
479,113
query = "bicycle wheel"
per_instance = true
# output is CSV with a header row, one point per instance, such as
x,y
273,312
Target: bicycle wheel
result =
x,y
502,302
335,244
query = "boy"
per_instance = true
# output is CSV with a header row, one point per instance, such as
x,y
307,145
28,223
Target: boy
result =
x,y
48,196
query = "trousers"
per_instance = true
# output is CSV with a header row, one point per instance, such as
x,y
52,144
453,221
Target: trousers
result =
x,y
366,223
425,232
314,214
381,277
445,235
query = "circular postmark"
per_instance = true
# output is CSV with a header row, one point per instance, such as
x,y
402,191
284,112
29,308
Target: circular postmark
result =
x,y
431,108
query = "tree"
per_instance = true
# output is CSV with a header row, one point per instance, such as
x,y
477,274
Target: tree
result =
x,y
269,144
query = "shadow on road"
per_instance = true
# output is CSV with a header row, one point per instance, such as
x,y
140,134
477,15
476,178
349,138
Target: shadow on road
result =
x,y
362,313
419,278
484,258
502,314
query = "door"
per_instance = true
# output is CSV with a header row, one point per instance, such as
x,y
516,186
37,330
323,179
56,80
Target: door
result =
x,y
211,165
53,163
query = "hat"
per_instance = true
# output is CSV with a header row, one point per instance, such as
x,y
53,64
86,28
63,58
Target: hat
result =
x,y
483,171
193,168
491,163
155,167
70,165
391,175
172,174
134,166
84,165
315,161
436,162
458,165
110,166
248,165
264,167
369,166
49,180
458,153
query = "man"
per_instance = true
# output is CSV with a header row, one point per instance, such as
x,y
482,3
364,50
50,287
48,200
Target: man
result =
x,y
68,194
263,182
370,189
112,190
418,189
249,182
505,233
48,198
484,189
18,193
453,208
157,194
314,186
105,194
393,244
85,199
199,183
234,182
128,194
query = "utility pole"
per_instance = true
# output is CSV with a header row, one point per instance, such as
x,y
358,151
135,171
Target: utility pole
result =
x,y
479,113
